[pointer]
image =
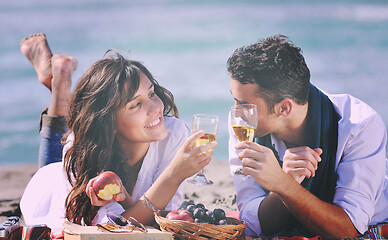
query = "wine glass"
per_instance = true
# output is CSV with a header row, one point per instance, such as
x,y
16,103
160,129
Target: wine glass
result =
x,y
244,123
209,124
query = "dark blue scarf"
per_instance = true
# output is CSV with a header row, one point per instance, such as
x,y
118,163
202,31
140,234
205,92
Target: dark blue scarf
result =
x,y
322,132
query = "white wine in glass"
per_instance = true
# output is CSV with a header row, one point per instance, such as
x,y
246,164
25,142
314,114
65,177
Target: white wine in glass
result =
x,y
206,138
244,133
209,124
244,124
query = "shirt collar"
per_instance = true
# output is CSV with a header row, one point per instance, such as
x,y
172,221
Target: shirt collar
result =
x,y
279,146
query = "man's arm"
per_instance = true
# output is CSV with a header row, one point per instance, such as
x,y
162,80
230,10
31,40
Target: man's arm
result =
x,y
319,217
322,218
273,215
300,163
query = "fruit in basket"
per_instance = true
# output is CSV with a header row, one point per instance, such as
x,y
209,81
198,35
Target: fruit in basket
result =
x,y
180,214
191,208
210,217
185,204
200,205
227,228
202,215
219,214
199,213
222,222
107,185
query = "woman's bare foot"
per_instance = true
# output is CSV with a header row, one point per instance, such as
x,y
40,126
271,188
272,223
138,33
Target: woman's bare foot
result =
x,y
37,51
63,67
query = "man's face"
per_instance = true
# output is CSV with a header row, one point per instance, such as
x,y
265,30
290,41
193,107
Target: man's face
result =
x,y
249,93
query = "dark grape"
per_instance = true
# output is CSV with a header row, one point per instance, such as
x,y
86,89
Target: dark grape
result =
x,y
209,216
184,205
200,205
222,222
202,215
190,208
199,213
219,214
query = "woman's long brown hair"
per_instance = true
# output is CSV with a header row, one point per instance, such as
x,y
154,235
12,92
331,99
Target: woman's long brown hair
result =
x,y
104,88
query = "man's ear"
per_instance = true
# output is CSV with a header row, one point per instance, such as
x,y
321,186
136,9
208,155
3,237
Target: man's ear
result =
x,y
284,107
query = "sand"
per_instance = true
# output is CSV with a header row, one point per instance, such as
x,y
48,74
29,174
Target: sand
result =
x,y
221,194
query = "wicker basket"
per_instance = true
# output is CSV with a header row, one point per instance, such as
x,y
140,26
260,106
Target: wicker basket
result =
x,y
201,231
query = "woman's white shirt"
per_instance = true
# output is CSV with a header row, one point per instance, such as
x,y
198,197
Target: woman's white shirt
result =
x,y
43,201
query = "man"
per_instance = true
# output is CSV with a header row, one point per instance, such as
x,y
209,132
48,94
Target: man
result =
x,y
320,166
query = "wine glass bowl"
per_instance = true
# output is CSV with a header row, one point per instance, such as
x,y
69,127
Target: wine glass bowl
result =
x,y
244,124
209,124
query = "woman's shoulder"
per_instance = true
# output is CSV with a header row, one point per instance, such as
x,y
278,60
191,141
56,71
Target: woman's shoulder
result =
x,y
176,133
44,197
176,128
174,124
50,170
50,175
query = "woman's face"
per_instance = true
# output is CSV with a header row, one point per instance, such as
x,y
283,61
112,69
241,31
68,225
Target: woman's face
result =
x,y
141,120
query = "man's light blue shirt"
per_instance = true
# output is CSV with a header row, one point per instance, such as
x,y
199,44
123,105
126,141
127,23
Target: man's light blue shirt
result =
x,y
361,165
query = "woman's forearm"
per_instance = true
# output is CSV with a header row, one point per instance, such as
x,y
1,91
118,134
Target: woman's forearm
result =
x,y
158,196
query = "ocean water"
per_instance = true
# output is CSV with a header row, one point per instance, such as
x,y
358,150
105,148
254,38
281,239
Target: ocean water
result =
x,y
185,44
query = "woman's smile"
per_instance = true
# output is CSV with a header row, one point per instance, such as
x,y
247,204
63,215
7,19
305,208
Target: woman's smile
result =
x,y
154,123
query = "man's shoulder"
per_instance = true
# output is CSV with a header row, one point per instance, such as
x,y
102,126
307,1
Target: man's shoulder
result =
x,y
351,108
356,116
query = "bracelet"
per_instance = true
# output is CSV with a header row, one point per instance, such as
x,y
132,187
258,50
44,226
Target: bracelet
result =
x,y
147,201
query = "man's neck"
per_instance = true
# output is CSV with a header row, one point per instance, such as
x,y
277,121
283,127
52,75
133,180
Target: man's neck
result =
x,y
295,127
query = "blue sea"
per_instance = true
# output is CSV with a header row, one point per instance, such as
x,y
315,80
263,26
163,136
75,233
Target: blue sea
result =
x,y
186,44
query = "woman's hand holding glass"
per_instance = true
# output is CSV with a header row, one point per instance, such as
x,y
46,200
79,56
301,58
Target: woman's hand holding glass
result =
x,y
189,160
244,123
209,124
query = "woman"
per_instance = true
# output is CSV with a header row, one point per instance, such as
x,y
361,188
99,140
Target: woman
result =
x,y
118,121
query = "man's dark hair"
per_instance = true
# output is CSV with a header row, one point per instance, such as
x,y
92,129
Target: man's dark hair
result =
x,y
276,65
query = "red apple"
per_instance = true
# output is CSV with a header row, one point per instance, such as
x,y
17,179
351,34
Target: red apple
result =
x,y
180,214
107,185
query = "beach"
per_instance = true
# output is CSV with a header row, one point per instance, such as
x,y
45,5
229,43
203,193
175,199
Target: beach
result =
x,y
186,46
221,194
